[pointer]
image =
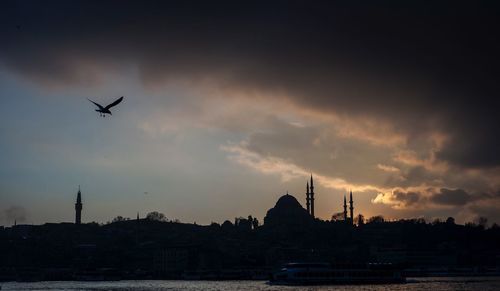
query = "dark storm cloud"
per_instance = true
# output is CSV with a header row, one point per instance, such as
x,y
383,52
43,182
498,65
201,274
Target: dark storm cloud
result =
x,y
423,67
452,197
413,176
438,197
407,199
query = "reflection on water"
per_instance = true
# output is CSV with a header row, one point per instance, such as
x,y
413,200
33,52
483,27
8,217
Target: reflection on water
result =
x,y
443,283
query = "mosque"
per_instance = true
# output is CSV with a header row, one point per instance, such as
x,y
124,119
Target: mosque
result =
x,y
289,211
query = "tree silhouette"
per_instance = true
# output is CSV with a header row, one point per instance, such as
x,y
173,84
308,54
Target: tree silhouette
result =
x,y
255,223
119,218
360,220
481,221
156,216
376,219
338,216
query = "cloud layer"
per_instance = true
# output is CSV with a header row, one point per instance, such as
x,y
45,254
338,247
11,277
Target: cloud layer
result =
x,y
398,101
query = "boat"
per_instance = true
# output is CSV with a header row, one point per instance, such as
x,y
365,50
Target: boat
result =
x,y
331,274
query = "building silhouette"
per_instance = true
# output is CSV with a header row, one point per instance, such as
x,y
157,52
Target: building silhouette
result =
x,y
310,197
287,212
288,209
78,207
351,207
310,203
345,210
349,220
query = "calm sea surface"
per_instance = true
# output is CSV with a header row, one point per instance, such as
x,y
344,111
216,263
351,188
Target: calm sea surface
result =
x,y
428,284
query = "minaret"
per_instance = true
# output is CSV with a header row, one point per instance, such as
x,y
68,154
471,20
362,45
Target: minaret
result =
x,y
345,209
351,207
311,197
78,207
308,199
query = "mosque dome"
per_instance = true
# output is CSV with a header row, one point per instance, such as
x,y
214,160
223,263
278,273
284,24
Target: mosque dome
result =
x,y
287,211
287,201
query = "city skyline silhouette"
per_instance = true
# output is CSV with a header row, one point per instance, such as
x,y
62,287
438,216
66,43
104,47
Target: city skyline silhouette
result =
x,y
155,247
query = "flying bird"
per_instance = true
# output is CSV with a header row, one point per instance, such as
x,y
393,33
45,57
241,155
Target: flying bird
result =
x,y
103,110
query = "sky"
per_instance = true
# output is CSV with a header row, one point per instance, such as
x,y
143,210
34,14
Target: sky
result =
x,y
230,104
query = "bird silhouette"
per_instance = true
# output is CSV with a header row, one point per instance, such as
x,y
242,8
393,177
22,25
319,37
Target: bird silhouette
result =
x,y
105,110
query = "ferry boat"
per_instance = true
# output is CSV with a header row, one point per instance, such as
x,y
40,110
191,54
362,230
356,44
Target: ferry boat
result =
x,y
325,274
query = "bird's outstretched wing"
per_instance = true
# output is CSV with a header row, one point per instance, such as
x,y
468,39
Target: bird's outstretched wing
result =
x,y
114,103
98,105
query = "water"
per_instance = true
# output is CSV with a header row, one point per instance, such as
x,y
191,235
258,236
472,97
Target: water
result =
x,y
434,284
